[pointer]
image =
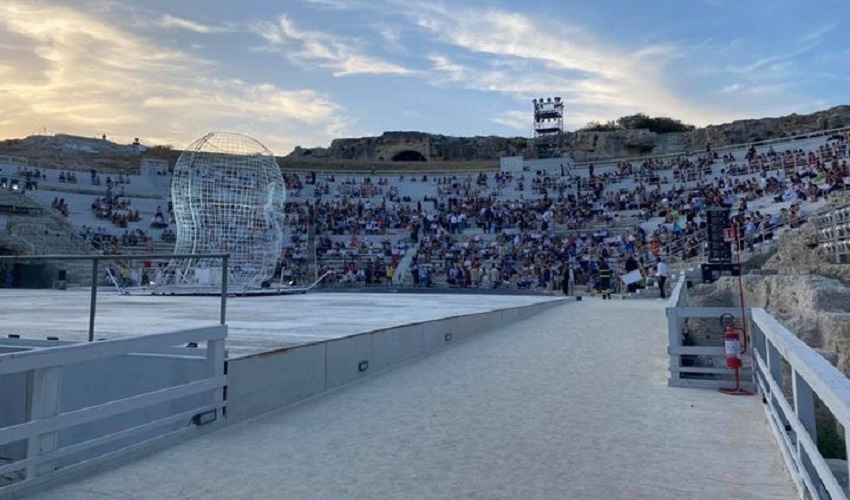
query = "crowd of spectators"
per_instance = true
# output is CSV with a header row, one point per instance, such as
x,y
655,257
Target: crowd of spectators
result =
x,y
69,177
117,209
520,229
115,244
575,222
60,206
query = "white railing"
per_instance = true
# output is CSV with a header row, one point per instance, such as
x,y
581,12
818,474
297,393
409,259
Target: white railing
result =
x,y
13,161
793,421
697,365
833,232
47,457
777,360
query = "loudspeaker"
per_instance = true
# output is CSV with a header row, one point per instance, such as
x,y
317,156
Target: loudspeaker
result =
x,y
712,271
718,219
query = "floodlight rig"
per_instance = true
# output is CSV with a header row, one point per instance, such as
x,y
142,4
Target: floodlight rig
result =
x,y
548,126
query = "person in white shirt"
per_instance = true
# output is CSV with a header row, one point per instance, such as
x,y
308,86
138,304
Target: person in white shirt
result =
x,y
662,277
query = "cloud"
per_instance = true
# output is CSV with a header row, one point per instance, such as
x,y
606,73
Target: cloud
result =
x,y
817,34
337,54
80,74
497,50
515,55
517,120
169,21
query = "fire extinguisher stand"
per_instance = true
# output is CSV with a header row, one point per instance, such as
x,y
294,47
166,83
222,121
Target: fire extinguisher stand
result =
x,y
733,336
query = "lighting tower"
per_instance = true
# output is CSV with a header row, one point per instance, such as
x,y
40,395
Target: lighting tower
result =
x,y
548,126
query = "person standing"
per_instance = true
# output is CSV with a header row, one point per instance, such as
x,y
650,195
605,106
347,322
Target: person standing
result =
x,y
566,279
631,265
414,273
388,273
662,277
605,274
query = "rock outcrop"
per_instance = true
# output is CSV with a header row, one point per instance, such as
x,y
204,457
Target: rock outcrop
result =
x,y
580,145
416,146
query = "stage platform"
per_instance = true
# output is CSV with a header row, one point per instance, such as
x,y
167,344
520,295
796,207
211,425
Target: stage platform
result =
x,y
256,324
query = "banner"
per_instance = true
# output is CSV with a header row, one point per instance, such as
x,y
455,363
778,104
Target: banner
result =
x,y
632,277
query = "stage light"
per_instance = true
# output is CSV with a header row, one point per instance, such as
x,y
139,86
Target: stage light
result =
x,y
4,182
205,418
15,185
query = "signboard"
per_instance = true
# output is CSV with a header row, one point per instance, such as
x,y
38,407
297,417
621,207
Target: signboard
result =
x,y
511,164
632,277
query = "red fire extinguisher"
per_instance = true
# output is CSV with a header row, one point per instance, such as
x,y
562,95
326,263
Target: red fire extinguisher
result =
x,y
735,343
734,346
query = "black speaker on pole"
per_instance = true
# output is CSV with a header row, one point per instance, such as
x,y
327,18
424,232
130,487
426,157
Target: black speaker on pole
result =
x,y
719,250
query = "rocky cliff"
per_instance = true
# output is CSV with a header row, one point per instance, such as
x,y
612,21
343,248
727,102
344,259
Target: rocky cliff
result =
x,y
580,145
416,146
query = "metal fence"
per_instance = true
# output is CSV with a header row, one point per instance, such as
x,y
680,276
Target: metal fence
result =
x,y
832,227
693,363
95,272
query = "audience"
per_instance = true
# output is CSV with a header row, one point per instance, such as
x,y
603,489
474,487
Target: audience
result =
x,y
496,229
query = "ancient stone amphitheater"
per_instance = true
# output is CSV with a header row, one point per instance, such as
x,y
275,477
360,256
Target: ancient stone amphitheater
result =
x,y
423,201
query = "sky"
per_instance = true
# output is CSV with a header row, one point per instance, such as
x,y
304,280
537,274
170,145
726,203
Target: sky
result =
x,y
303,72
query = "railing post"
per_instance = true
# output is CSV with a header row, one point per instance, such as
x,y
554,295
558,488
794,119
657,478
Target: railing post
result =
x,y
774,363
804,408
674,340
804,405
833,219
44,403
93,304
225,272
215,367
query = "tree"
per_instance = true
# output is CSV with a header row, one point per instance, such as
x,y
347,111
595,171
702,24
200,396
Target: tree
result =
x,y
658,124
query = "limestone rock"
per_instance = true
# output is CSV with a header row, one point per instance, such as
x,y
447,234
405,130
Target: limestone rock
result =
x,y
579,145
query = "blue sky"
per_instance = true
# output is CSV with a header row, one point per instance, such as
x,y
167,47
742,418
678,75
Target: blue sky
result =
x,y
302,72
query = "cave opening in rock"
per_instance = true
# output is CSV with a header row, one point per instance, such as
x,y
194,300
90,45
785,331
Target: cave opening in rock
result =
x,y
409,155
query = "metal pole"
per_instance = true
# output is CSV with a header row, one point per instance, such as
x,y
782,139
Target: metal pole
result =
x,y
833,217
224,274
93,304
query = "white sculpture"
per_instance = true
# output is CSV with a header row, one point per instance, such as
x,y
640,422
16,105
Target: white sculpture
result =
x,y
228,196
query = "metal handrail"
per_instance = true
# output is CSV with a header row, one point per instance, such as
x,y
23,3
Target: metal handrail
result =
x,y
95,259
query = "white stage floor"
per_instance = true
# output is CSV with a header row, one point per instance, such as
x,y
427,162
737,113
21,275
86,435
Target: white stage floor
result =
x,y
256,324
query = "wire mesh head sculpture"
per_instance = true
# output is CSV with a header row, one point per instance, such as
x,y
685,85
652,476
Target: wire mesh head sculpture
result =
x,y
228,196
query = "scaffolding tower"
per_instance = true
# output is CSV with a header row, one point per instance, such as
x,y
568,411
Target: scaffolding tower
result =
x,y
548,127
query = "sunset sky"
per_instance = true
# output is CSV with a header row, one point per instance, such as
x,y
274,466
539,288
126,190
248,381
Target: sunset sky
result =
x,y
302,72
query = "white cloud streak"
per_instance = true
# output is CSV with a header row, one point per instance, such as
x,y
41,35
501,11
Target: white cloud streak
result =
x,y
169,21
523,60
308,48
76,73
